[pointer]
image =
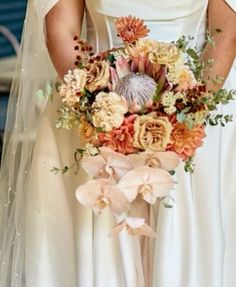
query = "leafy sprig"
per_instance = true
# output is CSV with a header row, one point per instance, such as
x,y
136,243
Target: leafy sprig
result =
x,y
189,165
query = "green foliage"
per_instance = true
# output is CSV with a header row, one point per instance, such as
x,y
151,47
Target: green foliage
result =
x,y
193,54
57,170
222,96
77,156
182,43
111,58
67,118
45,94
157,97
219,119
181,117
167,205
189,165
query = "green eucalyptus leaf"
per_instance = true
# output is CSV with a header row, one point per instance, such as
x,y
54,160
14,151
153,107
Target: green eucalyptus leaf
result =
x,y
110,58
41,95
49,89
181,117
57,86
166,205
192,53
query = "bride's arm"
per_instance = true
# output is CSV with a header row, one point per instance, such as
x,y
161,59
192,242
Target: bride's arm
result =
x,y
220,15
63,22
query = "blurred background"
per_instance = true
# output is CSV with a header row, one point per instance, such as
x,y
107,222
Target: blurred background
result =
x,y
12,13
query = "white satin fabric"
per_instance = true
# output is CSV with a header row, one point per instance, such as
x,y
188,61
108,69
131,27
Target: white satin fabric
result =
x,y
67,246
232,4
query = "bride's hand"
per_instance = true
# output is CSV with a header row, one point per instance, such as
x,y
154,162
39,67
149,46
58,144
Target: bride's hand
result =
x,y
63,23
220,16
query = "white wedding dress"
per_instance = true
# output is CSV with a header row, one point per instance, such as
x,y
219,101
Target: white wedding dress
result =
x,y
67,246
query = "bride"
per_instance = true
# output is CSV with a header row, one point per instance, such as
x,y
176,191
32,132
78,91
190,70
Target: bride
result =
x,y
47,238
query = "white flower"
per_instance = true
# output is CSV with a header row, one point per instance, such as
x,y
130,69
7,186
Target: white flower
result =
x,y
181,96
73,85
90,150
109,110
168,99
170,110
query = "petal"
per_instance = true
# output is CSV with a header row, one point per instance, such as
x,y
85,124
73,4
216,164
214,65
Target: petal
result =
x,y
134,226
118,201
119,162
150,197
135,222
145,230
138,159
169,160
93,165
158,179
88,193
122,67
117,228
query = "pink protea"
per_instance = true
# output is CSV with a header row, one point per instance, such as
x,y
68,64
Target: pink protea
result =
x,y
120,139
130,29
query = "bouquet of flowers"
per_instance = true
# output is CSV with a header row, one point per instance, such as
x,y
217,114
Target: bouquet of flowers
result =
x,y
140,109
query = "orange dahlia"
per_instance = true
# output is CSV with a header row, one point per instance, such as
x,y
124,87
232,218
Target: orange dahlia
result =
x,y
120,139
130,29
185,141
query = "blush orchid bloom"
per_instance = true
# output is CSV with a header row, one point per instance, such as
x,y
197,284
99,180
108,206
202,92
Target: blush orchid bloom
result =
x,y
134,226
101,193
167,160
150,183
108,164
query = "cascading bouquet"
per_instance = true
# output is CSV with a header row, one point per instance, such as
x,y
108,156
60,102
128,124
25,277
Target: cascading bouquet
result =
x,y
140,109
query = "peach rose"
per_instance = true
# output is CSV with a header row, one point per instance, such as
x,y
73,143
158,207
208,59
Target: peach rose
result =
x,y
97,75
86,130
165,54
152,132
121,139
185,141
185,79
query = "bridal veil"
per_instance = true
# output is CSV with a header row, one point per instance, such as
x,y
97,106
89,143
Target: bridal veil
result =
x,y
34,71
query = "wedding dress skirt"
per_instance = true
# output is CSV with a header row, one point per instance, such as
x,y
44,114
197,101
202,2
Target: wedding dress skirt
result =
x,y
67,246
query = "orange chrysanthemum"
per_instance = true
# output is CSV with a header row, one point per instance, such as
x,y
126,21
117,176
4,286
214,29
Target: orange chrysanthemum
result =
x,y
130,29
185,141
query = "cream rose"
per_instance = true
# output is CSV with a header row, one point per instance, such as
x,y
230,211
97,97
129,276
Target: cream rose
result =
x,y
151,132
109,110
97,75
73,85
165,54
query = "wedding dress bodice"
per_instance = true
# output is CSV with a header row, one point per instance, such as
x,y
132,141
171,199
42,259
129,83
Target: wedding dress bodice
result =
x,y
167,20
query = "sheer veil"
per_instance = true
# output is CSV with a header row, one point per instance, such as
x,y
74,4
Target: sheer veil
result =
x,y
34,71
